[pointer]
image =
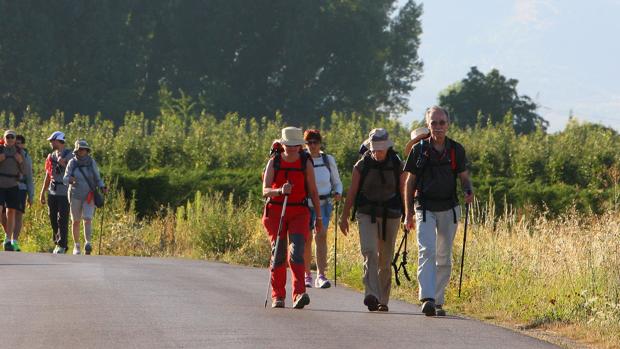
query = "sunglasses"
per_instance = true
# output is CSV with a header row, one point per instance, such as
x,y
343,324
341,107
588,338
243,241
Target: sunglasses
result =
x,y
440,123
313,142
9,137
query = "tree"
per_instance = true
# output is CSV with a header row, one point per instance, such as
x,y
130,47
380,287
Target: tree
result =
x,y
305,58
493,97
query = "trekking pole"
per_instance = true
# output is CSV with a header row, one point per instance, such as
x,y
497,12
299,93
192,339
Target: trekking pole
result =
x,y
403,263
275,250
336,247
464,241
101,230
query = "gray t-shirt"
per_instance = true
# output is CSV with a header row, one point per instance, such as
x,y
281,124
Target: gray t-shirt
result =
x,y
85,171
57,187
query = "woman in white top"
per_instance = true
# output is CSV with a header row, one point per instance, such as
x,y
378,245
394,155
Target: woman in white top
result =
x,y
329,187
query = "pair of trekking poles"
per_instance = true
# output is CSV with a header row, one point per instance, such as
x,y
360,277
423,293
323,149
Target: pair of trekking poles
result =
x,y
403,263
277,246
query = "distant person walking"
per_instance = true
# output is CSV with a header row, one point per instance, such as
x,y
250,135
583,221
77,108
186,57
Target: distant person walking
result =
x,y
329,187
82,176
289,173
433,168
375,192
12,166
26,190
57,201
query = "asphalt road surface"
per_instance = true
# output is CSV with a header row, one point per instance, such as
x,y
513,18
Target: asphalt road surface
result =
x,y
54,301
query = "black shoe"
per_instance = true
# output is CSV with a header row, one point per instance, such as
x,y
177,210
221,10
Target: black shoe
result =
x,y
301,301
88,249
439,310
8,246
371,302
428,307
383,307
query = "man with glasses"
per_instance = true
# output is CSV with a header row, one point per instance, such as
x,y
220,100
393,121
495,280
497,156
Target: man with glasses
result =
x,y
57,201
430,191
12,165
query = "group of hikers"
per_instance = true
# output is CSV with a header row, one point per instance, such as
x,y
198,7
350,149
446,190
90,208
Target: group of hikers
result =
x,y
301,186
70,180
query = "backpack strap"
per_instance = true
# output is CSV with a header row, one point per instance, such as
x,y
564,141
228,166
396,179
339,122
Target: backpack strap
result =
x,y
363,174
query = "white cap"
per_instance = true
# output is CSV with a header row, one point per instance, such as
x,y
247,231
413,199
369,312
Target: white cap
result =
x,y
57,136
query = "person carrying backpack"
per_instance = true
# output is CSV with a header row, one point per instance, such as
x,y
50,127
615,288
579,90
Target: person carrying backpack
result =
x,y
329,187
375,192
57,202
289,174
25,193
12,165
82,176
433,167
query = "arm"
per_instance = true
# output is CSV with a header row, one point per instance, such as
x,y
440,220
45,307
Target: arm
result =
x,y
268,191
68,178
351,195
314,195
46,181
29,180
335,177
97,174
409,207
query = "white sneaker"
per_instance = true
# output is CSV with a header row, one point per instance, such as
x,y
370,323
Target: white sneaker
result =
x,y
76,250
59,250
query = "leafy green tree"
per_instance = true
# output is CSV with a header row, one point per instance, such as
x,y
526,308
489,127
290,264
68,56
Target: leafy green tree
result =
x,y
491,97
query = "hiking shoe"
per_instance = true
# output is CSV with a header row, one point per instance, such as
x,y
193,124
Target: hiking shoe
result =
x,y
277,303
308,281
322,282
16,246
60,250
371,302
7,245
76,250
88,249
428,307
383,307
439,311
301,301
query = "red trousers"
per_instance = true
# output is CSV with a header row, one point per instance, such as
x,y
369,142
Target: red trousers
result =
x,y
293,235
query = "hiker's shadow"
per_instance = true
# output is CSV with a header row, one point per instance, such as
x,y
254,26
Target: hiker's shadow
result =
x,y
379,313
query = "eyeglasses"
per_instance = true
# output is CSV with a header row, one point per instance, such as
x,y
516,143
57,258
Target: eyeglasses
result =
x,y
440,123
9,137
313,142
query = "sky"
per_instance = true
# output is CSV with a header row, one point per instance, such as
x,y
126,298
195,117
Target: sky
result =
x,y
564,53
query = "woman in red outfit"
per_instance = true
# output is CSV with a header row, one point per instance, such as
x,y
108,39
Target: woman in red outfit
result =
x,y
290,172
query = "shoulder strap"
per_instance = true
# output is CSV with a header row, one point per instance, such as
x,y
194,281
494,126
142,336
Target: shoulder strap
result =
x,y
92,187
326,163
363,174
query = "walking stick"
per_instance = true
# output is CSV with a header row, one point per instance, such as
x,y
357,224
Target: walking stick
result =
x,y
336,246
101,230
403,263
464,241
275,250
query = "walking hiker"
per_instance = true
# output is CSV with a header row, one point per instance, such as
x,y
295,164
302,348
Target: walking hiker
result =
x,y
433,168
329,187
289,173
12,165
57,202
83,178
25,193
375,192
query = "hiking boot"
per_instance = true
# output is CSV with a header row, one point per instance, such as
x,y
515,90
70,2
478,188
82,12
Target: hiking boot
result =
x,y
439,311
371,302
301,301
277,303
88,249
76,250
60,250
7,245
428,307
308,281
322,282
383,307
16,246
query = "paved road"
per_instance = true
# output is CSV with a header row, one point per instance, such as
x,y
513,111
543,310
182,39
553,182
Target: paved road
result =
x,y
51,301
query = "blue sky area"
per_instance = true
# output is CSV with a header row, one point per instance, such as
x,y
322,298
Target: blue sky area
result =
x,y
565,53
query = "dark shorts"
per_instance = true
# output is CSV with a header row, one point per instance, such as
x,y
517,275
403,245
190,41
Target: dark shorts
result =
x,y
9,197
21,200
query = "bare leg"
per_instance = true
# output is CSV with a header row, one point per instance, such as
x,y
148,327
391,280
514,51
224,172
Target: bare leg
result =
x,y
10,220
75,229
88,230
19,220
308,254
